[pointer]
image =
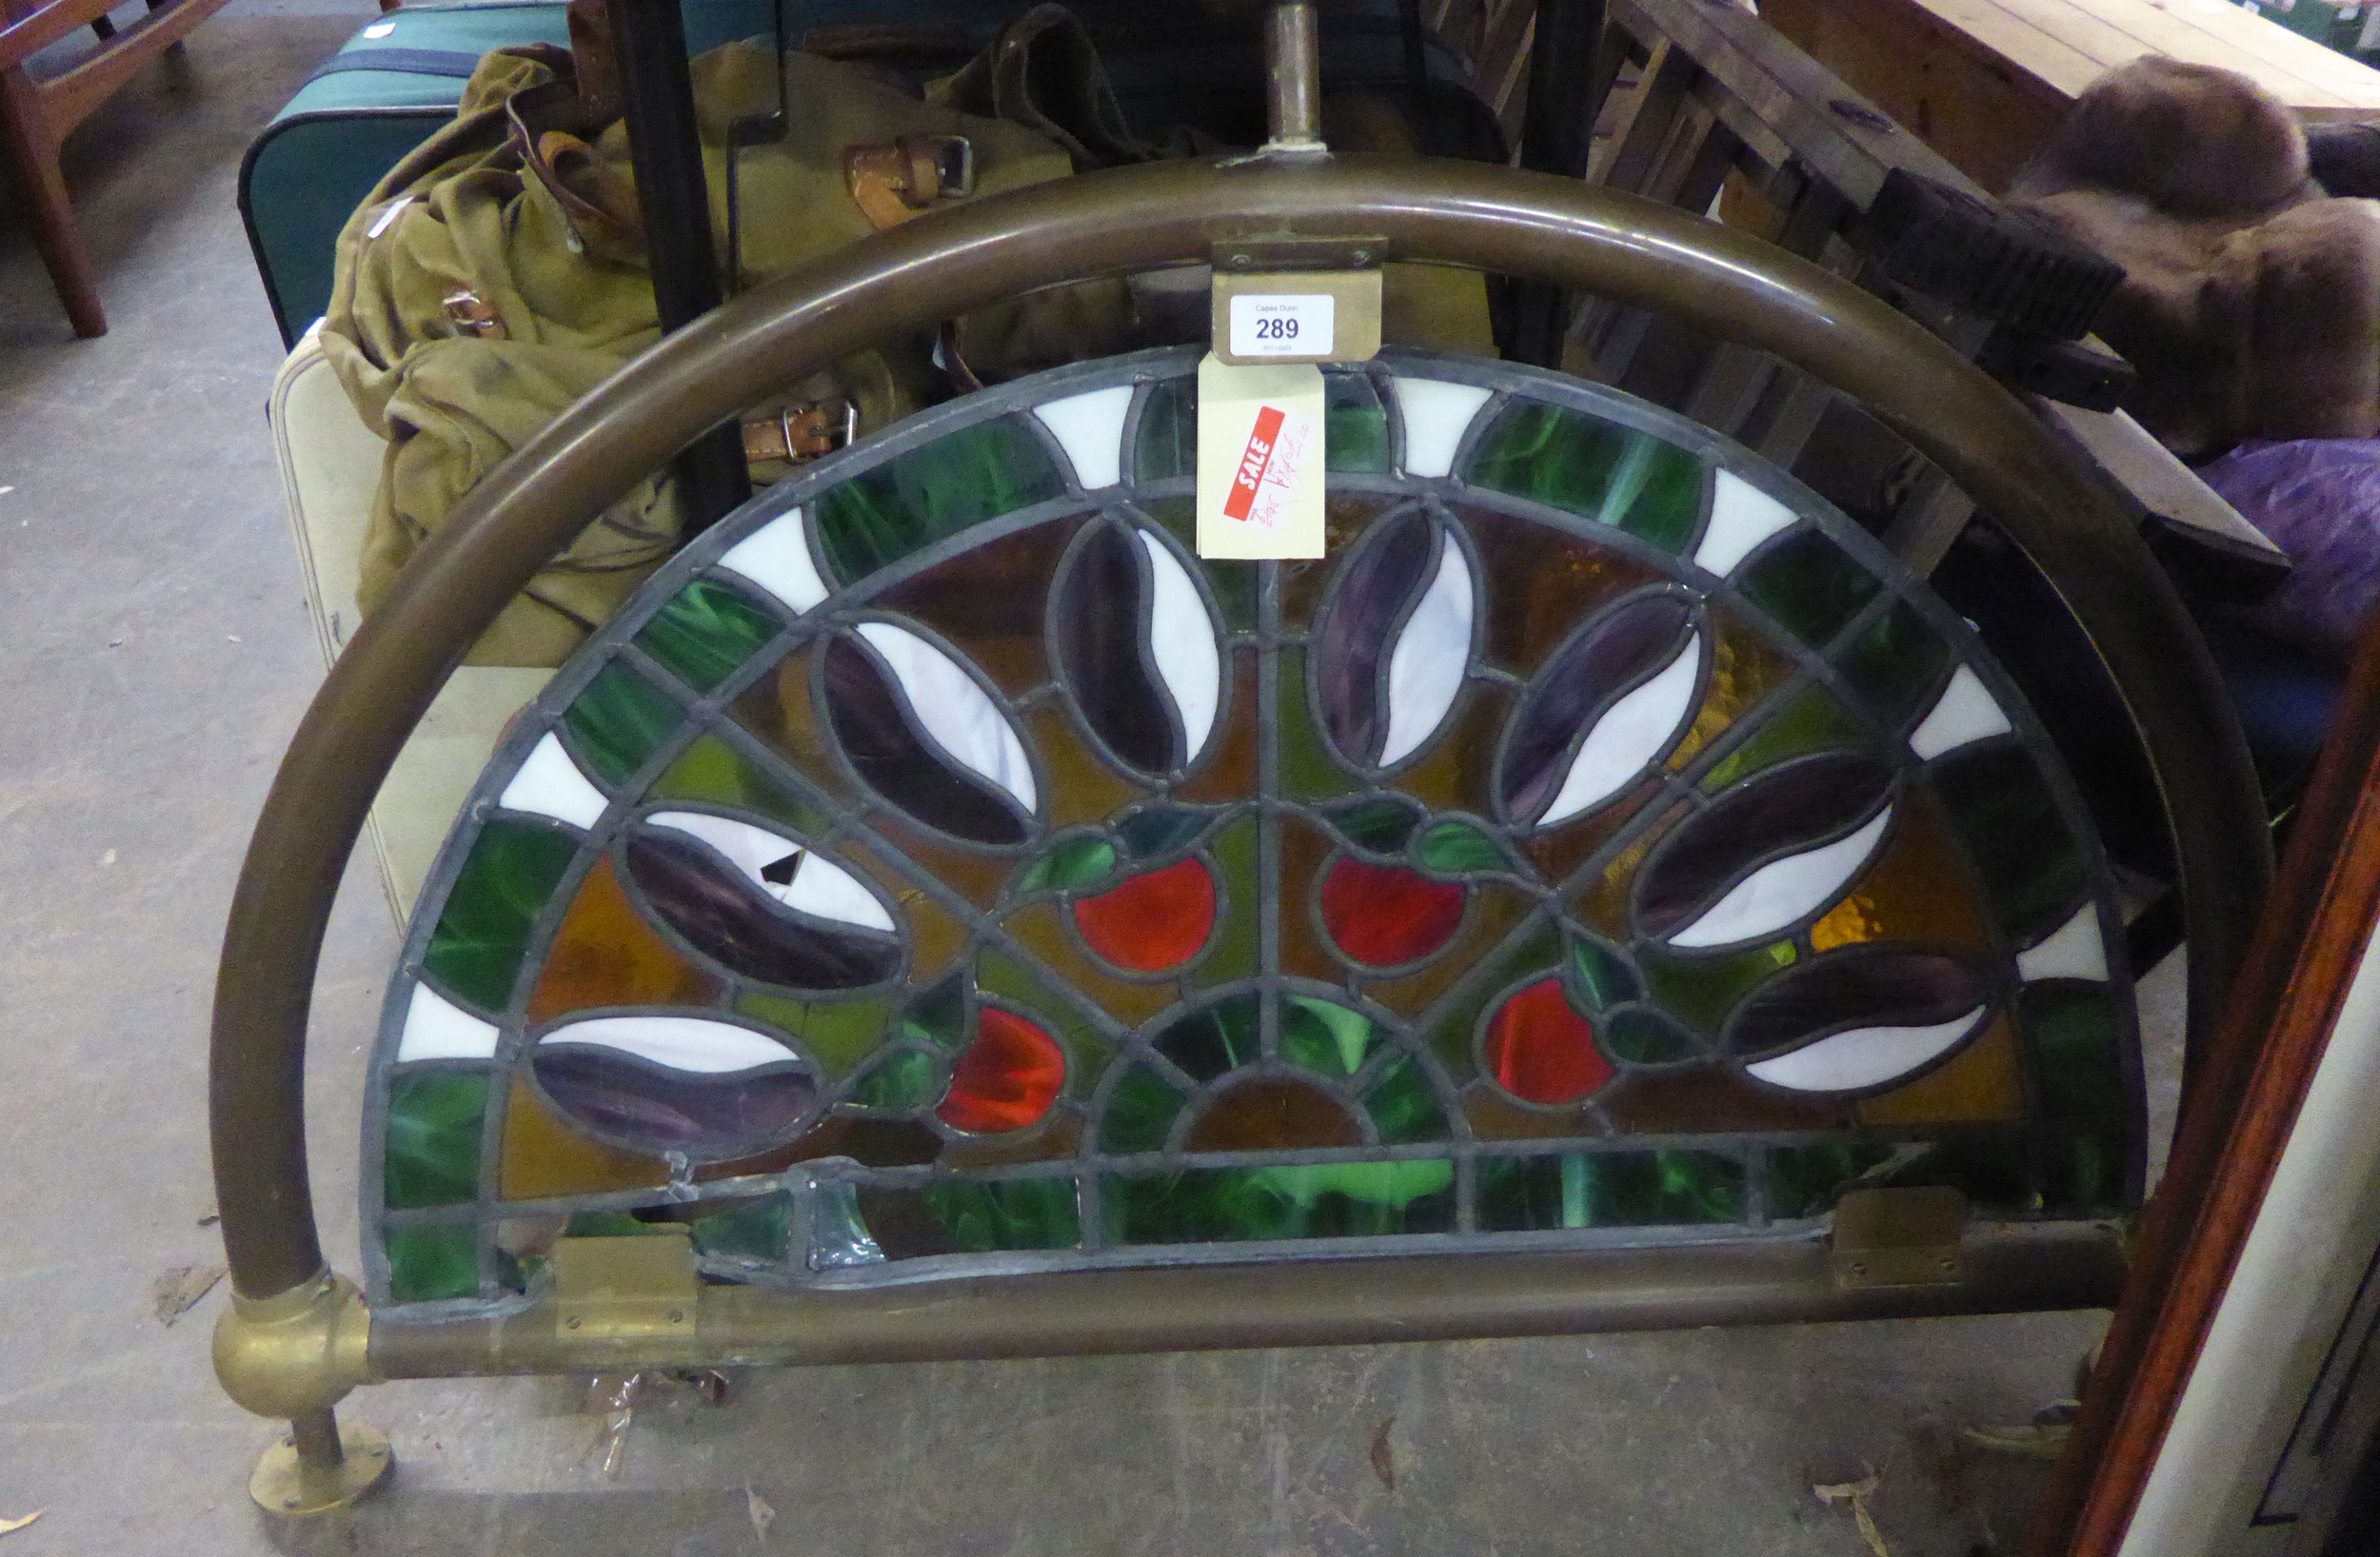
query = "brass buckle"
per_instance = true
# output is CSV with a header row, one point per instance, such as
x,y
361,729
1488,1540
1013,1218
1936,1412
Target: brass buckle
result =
x,y
893,181
802,433
471,314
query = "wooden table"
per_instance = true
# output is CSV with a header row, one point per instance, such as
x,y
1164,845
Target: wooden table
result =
x,y
1983,81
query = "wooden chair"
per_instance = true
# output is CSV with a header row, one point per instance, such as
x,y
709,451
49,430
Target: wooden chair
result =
x,y
37,113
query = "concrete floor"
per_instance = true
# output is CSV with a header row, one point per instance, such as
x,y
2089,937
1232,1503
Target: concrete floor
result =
x,y
155,657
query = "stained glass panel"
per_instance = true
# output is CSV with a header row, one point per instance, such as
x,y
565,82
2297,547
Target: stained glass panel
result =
x,y
937,868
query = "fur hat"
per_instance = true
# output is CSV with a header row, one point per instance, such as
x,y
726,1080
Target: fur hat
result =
x,y
2191,140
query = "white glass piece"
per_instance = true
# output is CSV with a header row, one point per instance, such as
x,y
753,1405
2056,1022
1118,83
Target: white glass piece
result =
x,y
1784,890
777,557
1742,516
549,784
954,710
1966,712
818,887
1865,1056
2074,949
683,1043
1632,733
1182,638
436,1027
1091,429
1425,670
1437,414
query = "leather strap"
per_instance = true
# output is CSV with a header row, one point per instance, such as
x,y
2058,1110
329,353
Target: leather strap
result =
x,y
800,433
892,182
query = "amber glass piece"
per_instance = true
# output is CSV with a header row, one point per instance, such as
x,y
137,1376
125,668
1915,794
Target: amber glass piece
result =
x,y
605,954
1233,952
484,927
840,1034
433,1133
1598,469
618,720
1744,672
1540,1049
990,601
429,1263
1690,1099
936,936
873,1143
1981,1084
1226,772
1386,916
1917,890
1006,1079
1455,767
1700,990
1346,516
1303,952
542,1157
1081,786
1152,922
975,877
1308,769
779,711
1057,1137
1539,583
705,631
1560,852
931,493
1609,1189
1273,1114
1317,1200
1812,721
1497,1117
1808,586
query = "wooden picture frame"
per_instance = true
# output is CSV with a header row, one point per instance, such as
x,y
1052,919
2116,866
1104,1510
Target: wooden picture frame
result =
x,y
2241,1323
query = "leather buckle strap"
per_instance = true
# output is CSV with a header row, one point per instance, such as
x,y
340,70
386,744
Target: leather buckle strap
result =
x,y
892,182
467,313
800,433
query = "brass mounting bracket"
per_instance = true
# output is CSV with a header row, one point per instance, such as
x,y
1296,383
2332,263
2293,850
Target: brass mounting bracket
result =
x,y
631,1288
297,1351
1898,1238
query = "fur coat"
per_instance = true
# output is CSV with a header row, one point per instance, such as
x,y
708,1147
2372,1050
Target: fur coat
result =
x,y
2251,302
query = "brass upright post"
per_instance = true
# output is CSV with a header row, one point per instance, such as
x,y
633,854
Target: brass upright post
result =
x,y
1292,74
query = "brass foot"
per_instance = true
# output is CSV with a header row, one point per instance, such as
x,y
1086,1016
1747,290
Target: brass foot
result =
x,y
286,1485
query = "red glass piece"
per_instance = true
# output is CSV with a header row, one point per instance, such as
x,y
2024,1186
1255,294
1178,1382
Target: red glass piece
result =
x,y
1006,1079
1152,921
1541,1050
1386,916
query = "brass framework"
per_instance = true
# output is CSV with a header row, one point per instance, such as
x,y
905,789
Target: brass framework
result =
x,y
295,1341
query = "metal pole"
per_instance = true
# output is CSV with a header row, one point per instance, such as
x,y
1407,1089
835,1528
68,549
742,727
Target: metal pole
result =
x,y
673,200
1292,76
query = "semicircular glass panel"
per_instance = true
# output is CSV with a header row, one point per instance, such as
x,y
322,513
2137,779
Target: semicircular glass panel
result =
x,y
939,869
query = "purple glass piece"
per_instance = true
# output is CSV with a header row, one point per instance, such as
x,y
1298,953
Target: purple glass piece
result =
x,y
654,1108
1615,653
1390,569
1857,987
899,762
1798,807
1095,616
724,916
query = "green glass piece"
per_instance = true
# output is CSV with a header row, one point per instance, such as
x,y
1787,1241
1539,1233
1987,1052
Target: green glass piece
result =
x,y
2031,872
1456,848
434,1120
1381,825
906,1078
1599,975
1215,1038
1642,1037
1070,863
929,494
1802,1181
1324,1036
1404,1106
1319,1200
839,1234
1609,1189
939,1015
1157,831
2087,1173
711,770
1594,468
757,1229
1812,721
1895,665
1140,1115
1354,425
1007,1213
1700,990
429,1263
1808,586
607,1224
483,928
2073,1028
618,720
1308,772
706,630
1166,445
841,1035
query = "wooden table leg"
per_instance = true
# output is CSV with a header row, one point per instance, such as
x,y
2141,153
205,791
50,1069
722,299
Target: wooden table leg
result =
x,y
32,150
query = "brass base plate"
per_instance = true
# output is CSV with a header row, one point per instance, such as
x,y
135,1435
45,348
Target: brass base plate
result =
x,y
283,1487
